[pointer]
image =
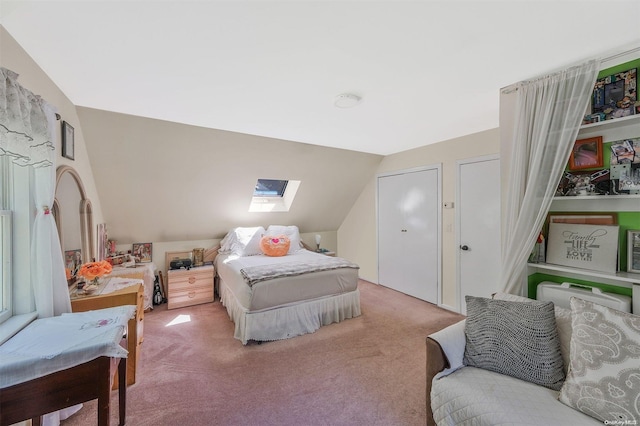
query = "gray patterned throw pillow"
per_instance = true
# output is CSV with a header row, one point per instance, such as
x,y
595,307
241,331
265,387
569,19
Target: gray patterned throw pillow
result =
x,y
514,338
604,372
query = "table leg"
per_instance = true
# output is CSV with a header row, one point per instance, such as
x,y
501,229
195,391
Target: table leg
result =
x,y
122,390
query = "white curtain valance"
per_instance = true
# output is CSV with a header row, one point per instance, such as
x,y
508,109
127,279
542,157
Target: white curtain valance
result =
x,y
24,132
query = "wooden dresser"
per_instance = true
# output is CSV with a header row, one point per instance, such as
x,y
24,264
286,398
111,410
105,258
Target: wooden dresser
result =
x,y
132,295
190,286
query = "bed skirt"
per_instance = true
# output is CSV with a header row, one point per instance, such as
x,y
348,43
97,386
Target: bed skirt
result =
x,y
289,320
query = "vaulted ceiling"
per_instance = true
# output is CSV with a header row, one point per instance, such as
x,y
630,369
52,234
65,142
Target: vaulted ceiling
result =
x,y
426,71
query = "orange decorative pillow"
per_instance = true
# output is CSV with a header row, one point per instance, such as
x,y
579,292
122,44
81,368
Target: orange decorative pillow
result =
x,y
275,246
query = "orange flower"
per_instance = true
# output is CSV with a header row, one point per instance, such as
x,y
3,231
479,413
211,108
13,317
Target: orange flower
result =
x,y
92,270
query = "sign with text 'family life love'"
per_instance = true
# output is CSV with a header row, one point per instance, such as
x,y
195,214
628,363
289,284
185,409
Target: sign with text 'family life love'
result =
x,y
592,247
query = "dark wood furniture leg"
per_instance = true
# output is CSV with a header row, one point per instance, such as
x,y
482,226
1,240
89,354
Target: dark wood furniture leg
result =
x,y
84,382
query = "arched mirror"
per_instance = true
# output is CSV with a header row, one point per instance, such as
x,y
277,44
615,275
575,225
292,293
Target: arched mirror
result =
x,y
74,218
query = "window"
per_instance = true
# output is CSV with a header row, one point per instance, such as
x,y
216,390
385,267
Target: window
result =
x,y
272,195
270,188
5,265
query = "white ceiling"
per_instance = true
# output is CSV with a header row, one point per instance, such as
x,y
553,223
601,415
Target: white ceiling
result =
x,y
427,71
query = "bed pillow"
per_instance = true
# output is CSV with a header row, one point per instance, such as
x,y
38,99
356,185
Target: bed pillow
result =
x,y
514,338
604,375
275,246
242,241
291,232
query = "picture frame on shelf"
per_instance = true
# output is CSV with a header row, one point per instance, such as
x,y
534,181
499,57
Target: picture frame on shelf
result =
x,y
615,94
626,151
584,182
633,251
68,141
579,218
584,218
73,260
586,154
142,252
593,247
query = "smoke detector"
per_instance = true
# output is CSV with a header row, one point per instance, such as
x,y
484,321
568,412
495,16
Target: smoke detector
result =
x,y
347,100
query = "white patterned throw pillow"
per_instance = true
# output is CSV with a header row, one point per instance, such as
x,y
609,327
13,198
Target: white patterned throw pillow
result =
x,y
604,373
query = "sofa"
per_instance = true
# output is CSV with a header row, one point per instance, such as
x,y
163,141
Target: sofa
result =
x,y
591,378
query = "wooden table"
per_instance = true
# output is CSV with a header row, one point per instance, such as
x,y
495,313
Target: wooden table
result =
x,y
61,361
91,380
132,295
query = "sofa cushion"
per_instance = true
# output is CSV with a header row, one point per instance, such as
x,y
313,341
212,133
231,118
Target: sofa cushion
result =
x,y
514,338
604,373
563,324
474,396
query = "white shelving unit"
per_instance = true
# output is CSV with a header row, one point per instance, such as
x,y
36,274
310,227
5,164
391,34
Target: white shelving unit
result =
x,y
620,279
610,130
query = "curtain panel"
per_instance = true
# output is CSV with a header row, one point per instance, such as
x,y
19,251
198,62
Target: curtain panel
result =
x,y
28,138
549,111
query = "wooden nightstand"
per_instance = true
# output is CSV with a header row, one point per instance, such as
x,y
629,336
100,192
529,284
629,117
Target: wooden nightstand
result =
x,y
190,286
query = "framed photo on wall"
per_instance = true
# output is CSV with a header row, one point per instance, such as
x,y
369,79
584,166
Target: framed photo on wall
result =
x,y
142,252
67,141
586,154
633,251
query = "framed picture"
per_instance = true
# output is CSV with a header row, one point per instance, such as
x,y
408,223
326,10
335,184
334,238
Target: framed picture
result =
x,y
615,95
584,219
604,218
593,247
73,260
142,252
633,251
67,141
626,151
102,241
586,154
591,182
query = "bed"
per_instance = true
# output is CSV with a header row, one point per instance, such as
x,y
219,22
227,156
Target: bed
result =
x,y
277,297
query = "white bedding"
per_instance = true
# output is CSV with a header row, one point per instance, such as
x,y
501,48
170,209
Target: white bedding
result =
x,y
473,396
285,307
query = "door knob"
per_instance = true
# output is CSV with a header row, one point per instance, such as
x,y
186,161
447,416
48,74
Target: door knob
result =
x,y
465,248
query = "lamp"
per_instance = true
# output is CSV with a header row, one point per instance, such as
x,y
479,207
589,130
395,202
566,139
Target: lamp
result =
x,y
318,238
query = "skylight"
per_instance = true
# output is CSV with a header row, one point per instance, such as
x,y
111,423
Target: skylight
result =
x,y
273,195
270,188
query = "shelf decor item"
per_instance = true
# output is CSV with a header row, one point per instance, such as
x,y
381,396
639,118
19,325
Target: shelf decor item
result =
x,y
67,141
142,252
586,154
633,251
593,247
615,95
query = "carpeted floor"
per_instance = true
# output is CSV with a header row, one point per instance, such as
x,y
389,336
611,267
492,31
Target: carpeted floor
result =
x,y
368,370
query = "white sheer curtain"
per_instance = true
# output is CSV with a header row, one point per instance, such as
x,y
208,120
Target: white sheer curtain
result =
x,y
548,115
28,137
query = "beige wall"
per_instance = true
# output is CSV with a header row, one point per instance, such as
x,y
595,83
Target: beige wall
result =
x,y
357,234
32,77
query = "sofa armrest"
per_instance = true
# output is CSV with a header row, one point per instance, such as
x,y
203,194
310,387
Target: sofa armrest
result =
x,y
436,362
445,352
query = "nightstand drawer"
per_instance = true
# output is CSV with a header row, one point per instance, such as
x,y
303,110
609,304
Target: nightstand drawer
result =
x,y
190,297
190,287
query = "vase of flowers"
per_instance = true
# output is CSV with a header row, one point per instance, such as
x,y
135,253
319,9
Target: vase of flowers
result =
x,y
91,271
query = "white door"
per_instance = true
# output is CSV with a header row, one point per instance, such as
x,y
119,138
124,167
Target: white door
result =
x,y
409,232
478,224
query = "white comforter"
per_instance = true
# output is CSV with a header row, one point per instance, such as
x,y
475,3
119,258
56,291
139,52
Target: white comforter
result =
x,y
282,291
